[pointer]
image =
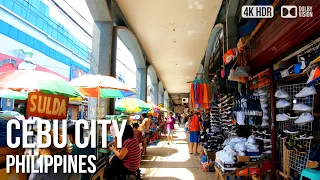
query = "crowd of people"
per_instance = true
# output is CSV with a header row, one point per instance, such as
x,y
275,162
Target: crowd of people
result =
x,y
134,144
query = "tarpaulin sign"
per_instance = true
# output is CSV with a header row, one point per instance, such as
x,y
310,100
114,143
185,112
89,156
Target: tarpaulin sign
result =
x,y
47,106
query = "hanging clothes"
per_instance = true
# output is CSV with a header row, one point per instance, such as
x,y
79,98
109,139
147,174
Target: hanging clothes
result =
x,y
200,98
195,92
192,93
205,93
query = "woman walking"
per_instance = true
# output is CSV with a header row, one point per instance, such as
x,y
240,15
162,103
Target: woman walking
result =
x,y
170,127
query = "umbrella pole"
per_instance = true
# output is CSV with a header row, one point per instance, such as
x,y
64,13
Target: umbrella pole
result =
x,y
97,126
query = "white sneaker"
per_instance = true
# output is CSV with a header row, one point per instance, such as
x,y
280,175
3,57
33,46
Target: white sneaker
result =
x,y
240,153
264,105
301,107
264,123
265,117
281,94
281,117
306,91
252,147
282,103
263,99
304,118
251,140
262,92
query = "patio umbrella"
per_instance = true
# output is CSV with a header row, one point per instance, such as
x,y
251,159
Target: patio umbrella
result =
x,y
106,86
7,93
31,81
132,105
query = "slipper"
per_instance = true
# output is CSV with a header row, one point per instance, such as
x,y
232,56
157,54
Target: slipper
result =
x,y
191,153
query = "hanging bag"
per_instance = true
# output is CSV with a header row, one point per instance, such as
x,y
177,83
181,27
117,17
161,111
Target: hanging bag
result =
x,y
233,77
243,70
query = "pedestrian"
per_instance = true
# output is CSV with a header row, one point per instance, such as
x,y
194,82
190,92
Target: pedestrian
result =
x,y
194,127
145,129
170,127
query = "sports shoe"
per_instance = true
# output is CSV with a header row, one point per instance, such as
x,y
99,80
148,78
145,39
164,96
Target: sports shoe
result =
x,y
264,105
301,107
281,94
263,99
262,93
265,117
291,115
267,146
241,153
306,91
267,151
254,129
282,103
267,137
281,135
289,145
305,135
304,118
266,132
265,110
264,123
300,148
314,76
289,129
281,117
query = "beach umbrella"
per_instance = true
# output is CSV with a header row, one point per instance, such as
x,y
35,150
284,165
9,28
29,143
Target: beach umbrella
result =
x,y
10,94
132,105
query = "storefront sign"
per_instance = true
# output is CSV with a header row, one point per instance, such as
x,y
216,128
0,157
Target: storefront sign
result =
x,y
47,106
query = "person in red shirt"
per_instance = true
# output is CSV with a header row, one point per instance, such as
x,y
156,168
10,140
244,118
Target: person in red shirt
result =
x,y
194,126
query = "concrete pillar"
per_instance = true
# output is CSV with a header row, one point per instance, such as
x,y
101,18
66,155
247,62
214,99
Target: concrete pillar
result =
x,y
101,62
161,98
141,84
231,25
154,94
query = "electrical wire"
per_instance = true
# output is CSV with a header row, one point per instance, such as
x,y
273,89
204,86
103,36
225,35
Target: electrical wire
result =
x,y
78,13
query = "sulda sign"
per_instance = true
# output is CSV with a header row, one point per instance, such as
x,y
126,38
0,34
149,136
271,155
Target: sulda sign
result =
x,y
47,106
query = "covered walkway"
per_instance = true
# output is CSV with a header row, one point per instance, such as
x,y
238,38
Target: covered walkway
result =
x,y
172,161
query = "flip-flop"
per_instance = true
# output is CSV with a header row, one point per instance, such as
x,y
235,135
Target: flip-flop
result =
x,y
190,152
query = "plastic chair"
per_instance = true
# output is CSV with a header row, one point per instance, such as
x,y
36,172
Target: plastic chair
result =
x,y
311,174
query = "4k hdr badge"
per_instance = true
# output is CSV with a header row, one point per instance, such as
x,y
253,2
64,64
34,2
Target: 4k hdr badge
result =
x,y
47,106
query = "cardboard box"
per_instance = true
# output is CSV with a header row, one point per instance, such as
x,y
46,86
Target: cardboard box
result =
x,y
254,170
243,172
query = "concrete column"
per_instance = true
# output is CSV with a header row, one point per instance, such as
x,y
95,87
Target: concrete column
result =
x,y
154,94
161,98
141,84
231,25
100,62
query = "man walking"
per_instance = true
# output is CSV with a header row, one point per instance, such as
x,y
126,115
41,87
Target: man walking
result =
x,y
194,126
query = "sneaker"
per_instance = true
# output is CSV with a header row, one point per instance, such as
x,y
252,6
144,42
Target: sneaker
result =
x,y
291,115
265,110
281,135
281,117
306,91
281,94
264,105
266,132
314,76
304,118
301,107
241,153
265,123
267,151
267,137
289,145
254,129
300,148
262,93
265,117
282,103
289,129
263,99
305,135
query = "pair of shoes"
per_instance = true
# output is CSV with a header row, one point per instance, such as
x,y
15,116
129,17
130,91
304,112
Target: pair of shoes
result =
x,y
305,92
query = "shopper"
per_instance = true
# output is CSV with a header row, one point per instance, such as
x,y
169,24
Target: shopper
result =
x,y
194,127
137,134
145,129
53,151
71,131
170,127
127,159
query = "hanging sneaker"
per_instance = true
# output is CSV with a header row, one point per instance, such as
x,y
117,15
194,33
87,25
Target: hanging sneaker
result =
x,y
265,117
266,132
306,91
291,115
267,145
281,117
265,110
281,135
305,135
301,107
262,93
264,105
263,99
289,145
281,94
289,129
282,103
300,148
254,129
314,76
267,151
304,118
265,123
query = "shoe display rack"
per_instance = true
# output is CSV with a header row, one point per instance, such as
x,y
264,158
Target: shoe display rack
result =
x,y
227,123
294,136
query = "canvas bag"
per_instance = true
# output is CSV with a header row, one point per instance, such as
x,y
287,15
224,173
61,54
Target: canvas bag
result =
x,y
243,70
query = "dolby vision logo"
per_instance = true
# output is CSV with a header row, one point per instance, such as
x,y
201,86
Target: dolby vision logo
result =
x,y
289,12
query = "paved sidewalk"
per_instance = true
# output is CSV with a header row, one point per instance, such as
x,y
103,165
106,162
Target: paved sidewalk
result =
x,y
172,161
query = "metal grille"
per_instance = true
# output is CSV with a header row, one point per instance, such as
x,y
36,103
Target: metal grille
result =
x,y
296,160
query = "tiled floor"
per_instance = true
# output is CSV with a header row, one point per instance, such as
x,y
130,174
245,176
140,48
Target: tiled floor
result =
x,y
172,161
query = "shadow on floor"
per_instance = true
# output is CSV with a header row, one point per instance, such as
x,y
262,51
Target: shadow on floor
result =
x,y
161,151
